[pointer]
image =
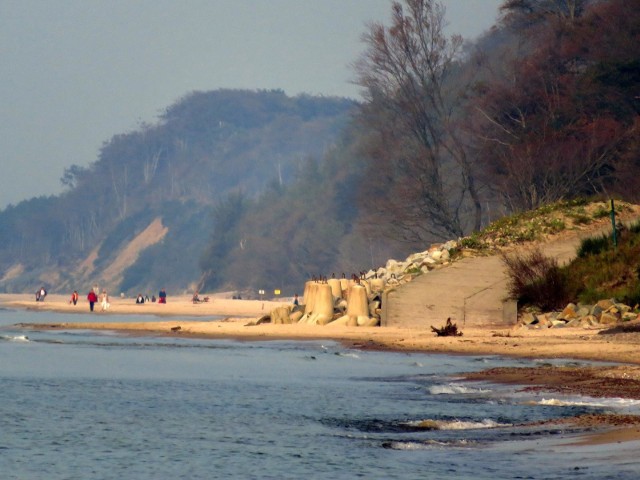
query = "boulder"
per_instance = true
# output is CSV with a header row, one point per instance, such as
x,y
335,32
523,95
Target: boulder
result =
x,y
605,304
583,310
450,245
596,311
608,318
588,321
622,308
569,312
527,318
377,285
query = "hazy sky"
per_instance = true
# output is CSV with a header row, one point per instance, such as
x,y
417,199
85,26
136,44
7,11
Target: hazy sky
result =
x,y
76,72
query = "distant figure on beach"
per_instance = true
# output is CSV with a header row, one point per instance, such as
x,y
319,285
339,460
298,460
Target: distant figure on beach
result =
x,y
196,298
40,294
93,298
153,298
105,301
139,298
296,302
74,297
162,296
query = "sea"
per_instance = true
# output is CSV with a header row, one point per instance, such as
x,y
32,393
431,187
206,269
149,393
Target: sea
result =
x,y
78,404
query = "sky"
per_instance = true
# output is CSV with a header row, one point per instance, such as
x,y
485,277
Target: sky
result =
x,y
74,73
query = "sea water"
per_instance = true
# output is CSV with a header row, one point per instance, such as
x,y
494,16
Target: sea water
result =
x,y
99,404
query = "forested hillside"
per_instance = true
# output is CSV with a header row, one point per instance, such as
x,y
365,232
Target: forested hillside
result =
x,y
241,190
203,147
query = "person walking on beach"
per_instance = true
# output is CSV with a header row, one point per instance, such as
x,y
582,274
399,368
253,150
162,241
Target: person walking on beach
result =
x,y
105,301
40,294
74,297
93,298
162,296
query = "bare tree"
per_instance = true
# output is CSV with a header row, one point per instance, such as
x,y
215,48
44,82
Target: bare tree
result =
x,y
416,152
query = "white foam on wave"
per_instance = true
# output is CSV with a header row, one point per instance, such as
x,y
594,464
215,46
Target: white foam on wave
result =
x,y
15,338
590,402
455,389
350,355
427,444
460,425
457,424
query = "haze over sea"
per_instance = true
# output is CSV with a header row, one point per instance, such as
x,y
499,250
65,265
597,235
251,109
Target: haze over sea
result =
x,y
87,404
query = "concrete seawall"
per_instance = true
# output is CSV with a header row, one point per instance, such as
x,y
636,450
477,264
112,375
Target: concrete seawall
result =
x,y
471,291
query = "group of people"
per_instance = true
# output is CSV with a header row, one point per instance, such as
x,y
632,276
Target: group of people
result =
x,y
94,297
196,298
162,298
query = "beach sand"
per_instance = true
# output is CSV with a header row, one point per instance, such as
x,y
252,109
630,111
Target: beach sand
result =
x,y
180,317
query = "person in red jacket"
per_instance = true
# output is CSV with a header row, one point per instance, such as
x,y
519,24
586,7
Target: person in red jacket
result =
x,y
93,298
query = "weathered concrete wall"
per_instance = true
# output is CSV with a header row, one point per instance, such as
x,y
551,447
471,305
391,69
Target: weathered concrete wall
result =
x,y
470,291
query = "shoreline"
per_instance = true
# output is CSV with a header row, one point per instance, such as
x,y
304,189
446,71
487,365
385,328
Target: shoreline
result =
x,y
236,319
181,318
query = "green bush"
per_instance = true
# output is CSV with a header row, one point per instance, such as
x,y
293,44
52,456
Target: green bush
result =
x,y
580,217
594,245
601,213
473,241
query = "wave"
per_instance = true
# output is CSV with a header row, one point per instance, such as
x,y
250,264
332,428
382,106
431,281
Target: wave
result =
x,y
15,338
349,355
429,424
455,389
589,402
426,445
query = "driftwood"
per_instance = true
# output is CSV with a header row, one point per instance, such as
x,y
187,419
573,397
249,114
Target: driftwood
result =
x,y
449,330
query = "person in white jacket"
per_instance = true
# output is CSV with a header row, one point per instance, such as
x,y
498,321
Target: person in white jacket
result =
x,y
105,301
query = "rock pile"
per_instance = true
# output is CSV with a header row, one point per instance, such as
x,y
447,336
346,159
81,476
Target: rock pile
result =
x,y
604,313
397,272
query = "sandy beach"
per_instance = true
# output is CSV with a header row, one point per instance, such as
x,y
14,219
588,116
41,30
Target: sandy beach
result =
x,y
239,318
236,319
